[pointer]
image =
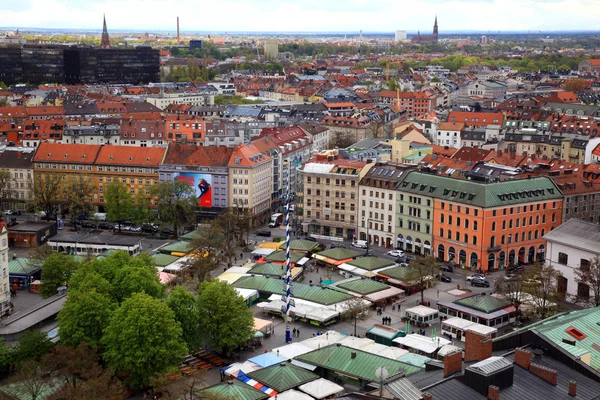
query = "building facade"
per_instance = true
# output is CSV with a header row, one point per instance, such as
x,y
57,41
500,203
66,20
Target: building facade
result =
x,y
377,205
5,305
330,195
18,161
488,225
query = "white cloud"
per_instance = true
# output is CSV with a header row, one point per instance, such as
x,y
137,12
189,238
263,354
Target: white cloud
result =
x,y
307,15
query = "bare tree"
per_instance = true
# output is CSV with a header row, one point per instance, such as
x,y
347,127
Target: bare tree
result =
x,y
208,245
32,379
354,308
47,194
422,272
540,283
512,289
589,273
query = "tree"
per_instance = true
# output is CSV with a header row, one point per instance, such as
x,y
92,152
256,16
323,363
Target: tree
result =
x,y
225,319
185,307
3,86
33,382
177,203
540,283
575,85
421,272
589,274
87,280
84,317
57,271
76,197
47,194
139,357
342,140
392,84
81,375
141,212
118,202
208,245
5,185
136,280
32,346
513,291
354,308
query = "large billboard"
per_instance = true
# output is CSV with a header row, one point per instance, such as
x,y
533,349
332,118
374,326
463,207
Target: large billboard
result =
x,y
202,184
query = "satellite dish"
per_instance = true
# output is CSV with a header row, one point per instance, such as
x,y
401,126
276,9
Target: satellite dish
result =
x,y
381,373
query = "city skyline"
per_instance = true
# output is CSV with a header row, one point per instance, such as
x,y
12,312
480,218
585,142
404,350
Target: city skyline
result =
x,y
309,16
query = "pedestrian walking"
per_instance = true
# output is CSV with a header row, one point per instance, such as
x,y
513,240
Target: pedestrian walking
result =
x,y
294,332
298,333
393,307
383,321
241,256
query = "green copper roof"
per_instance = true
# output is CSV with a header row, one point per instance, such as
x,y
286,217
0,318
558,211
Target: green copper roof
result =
x,y
279,256
386,332
282,377
317,294
364,365
339,253
483,303
586,321
268,269
362,285
232,390
162,260
21,266
399,273
300,245
480,194
371,263
181,246
190,236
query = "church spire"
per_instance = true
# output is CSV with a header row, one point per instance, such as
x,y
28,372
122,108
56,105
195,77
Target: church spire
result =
x,y
105,41
435,30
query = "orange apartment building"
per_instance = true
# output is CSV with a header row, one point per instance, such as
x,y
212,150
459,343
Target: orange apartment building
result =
x,y
485,225
136,167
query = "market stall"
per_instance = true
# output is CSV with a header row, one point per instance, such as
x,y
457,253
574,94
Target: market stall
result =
x,y
422,316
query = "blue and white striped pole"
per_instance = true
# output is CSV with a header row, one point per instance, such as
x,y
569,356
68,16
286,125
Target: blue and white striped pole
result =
x,y
288,269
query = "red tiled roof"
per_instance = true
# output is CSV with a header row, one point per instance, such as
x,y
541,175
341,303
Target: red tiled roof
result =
x,y
339,105
130,155
476,118
210,156
473,154
67,153
45,110
248,156
451,126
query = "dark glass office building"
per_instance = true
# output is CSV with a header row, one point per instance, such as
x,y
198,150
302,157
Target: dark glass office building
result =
x,y
56,64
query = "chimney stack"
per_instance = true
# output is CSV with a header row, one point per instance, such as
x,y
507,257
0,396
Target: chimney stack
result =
x,y
477,347
493,392
548,374
426,396
452,363
178,38
523,358
572,388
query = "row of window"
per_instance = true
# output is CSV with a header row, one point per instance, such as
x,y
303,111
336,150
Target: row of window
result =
x,y
338,194
327,217
100,168
338,205
390,195
338,182
508,239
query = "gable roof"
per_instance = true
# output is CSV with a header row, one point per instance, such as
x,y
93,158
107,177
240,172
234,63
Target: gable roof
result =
x,y
131,155
370,263
67,153
233,390
492,194
339,358
339,253
483,303
577,233
282,377
209,156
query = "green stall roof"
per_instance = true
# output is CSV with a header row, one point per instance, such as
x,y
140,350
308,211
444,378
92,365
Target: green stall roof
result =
x,y
362,286
371,263
282,377
339,253
300,245
339,359
279,256
483,303
316,294
232,390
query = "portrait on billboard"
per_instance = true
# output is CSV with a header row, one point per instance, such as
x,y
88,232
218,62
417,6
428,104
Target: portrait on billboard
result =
x,y
202,184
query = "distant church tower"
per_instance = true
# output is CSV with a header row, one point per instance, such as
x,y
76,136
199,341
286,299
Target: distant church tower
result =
x,y
435,30
105,42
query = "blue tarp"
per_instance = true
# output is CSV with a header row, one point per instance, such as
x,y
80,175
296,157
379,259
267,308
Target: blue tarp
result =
x,y
266,360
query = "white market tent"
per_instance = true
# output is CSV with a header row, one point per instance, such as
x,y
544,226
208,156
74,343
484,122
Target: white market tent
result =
x,y
385,294
424,344
238,270
292,395
291,350
355,342
259,251
178,265
321,388
245,367
393,353
247,293
452,325
326,339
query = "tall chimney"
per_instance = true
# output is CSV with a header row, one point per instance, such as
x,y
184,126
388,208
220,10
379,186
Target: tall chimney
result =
x,y
178,39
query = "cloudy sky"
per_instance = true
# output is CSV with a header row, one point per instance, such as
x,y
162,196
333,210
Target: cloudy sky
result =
x,y
304,15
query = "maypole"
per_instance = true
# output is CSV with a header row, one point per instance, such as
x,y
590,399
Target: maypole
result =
x,y
289,302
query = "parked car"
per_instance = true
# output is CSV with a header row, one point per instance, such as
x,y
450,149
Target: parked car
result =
x,y
446,268
135,228
7,212
264,233
515,269
337,246
403,265
474,276
480,282
405,259
106,225
149,228
445,278
395,253
88,224
361,244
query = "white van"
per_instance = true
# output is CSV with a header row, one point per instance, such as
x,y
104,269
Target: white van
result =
x,y
361,244
100,216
